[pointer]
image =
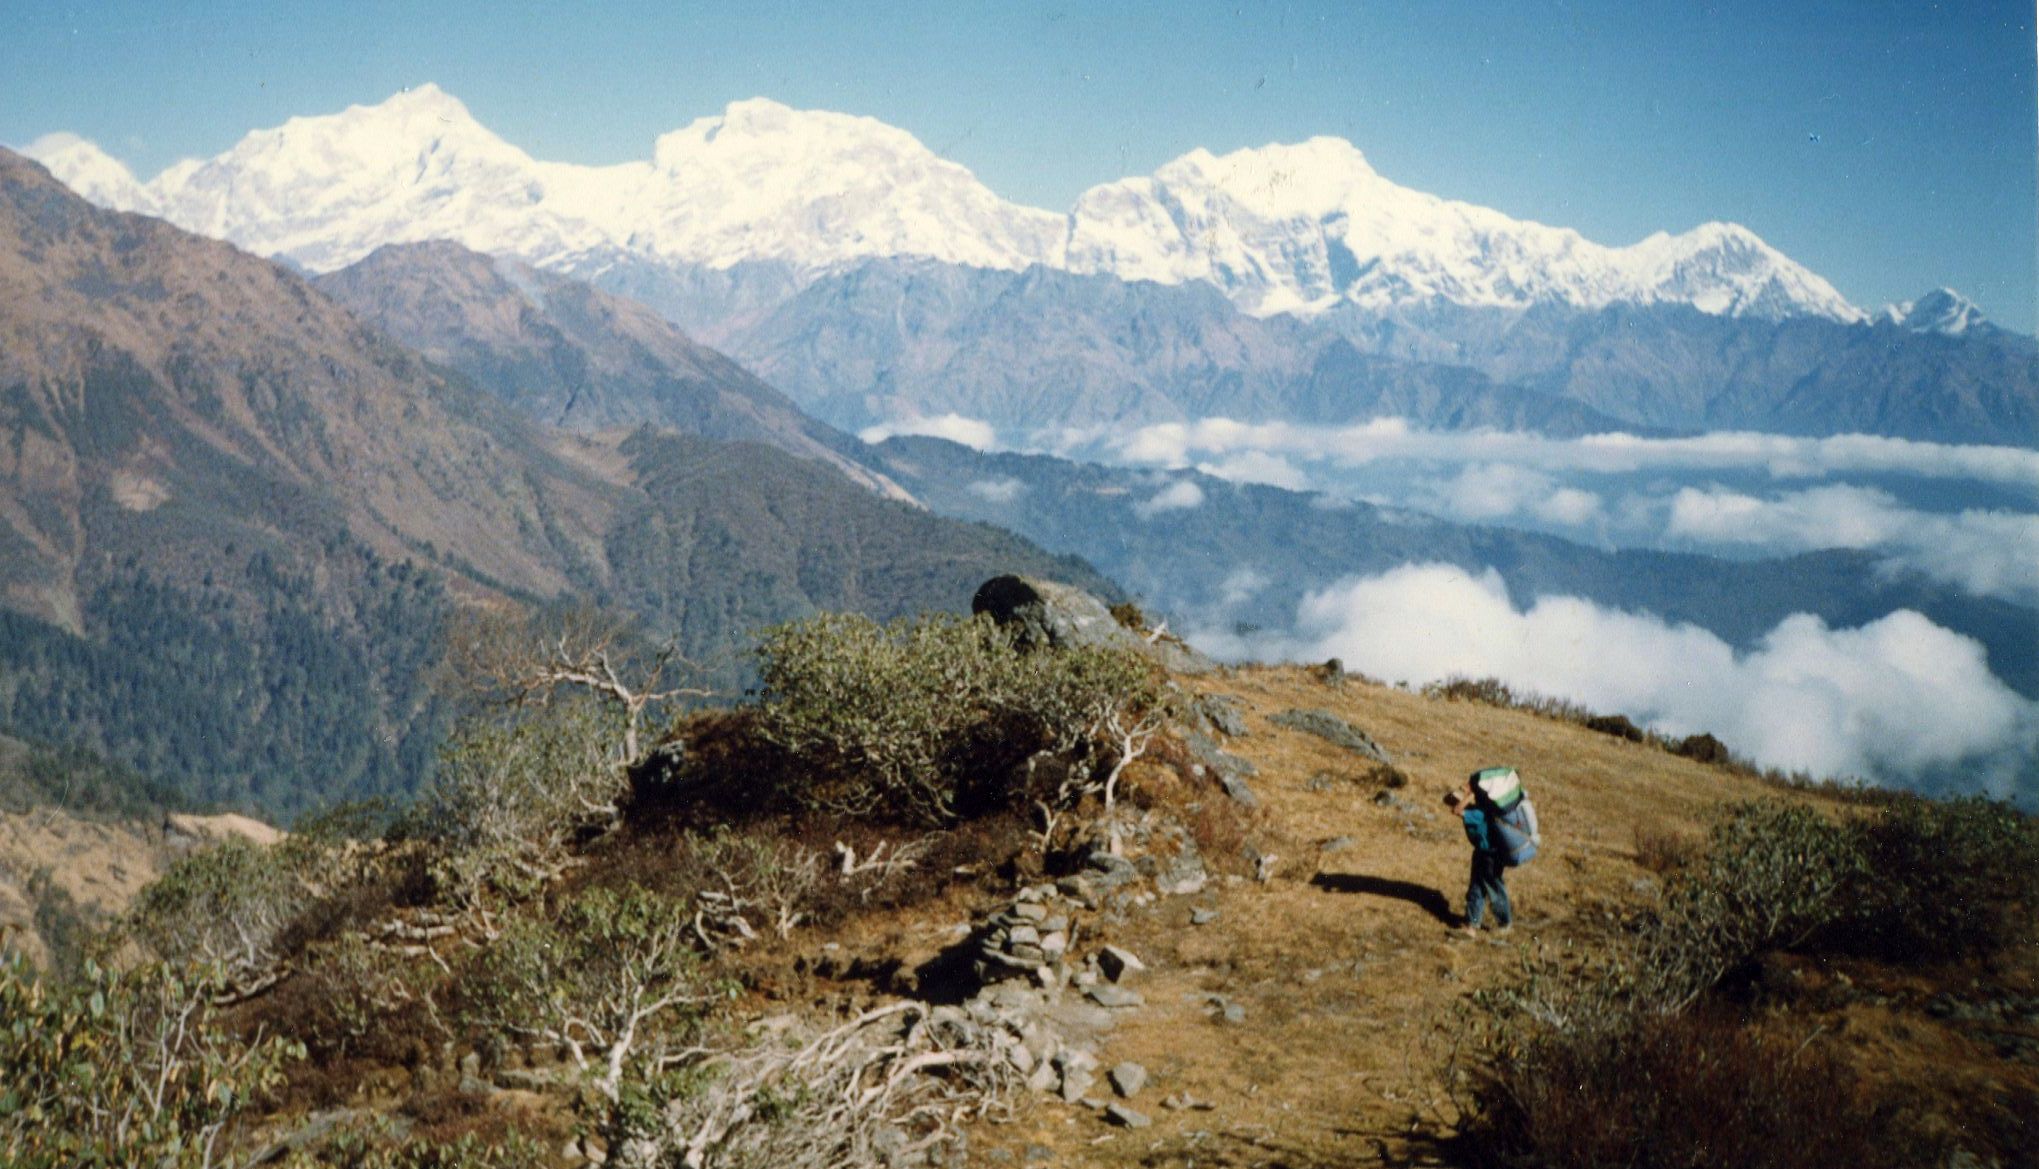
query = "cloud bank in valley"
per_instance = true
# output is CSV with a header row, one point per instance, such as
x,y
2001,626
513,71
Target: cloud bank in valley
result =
x,y
974,433
1627,491
1211,440
1991,553
1180,495
997,490
1898,700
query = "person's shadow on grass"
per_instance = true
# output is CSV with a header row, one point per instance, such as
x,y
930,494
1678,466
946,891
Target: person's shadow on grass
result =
x,y
1422,897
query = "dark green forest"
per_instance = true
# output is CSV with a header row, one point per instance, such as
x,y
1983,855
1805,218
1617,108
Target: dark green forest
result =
x,y
252,693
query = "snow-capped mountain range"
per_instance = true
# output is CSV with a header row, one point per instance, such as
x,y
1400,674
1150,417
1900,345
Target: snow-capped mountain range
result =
x,y
1280,229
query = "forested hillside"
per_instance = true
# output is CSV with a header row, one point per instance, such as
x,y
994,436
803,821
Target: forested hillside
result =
x,y
246,689
235,517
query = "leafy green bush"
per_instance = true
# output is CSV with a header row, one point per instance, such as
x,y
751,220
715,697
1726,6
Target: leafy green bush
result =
x,y
1605,1063
933,719
228,903
609,980
351,998
377,1145
1943,879
122,1068
1772,875
511,793
65,927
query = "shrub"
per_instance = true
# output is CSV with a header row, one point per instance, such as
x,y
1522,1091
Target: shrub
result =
x,y
1772,875
377,1145
1704,748
228,904
510,795
65,927
1617,725
122,1068
351,998
1943,879
608,980
934,719
1664,851
1678,1093
894,1085
748,883
1607,1064
1495,692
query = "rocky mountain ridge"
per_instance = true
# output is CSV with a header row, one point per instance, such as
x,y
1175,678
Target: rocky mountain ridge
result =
x,y
574,357
890,340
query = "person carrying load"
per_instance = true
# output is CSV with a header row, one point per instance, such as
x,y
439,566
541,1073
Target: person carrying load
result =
x,y
1500,821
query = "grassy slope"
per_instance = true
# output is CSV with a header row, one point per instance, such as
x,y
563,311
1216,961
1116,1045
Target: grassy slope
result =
x,y
1343,962
1346,970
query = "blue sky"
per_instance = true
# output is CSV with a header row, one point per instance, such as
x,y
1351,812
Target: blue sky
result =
x,y
1889,146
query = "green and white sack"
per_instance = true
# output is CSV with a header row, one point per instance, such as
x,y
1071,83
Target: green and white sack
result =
x,y
1498,787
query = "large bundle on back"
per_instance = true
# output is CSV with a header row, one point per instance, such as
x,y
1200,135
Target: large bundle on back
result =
x,y
1511,817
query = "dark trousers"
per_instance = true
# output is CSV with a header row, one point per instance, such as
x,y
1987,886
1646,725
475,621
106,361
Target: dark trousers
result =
x,y
1488,886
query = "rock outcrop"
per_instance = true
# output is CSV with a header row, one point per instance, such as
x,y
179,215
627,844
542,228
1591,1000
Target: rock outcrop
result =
x,y
1045,613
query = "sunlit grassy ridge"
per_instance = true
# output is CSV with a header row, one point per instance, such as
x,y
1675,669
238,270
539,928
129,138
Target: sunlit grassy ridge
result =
x,y
690,956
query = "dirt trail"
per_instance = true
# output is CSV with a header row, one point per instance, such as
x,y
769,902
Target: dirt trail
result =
x,y
1345,964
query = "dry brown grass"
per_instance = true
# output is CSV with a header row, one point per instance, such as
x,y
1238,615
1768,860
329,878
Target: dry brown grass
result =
x,y
1344,962
1663,850
1345,967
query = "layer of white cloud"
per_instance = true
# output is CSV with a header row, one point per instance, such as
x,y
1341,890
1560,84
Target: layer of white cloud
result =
x,y
1992,553
1241,586
997,490
1890,700
1258,467
1177,444
1181,495
1529,480
970,432
1502,491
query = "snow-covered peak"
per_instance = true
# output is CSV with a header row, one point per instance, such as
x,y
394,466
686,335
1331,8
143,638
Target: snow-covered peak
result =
x,y
1942,310
1282,179
420,125
1304,227
764,181
325,191
761,125
1727,270
1297,227
81,165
